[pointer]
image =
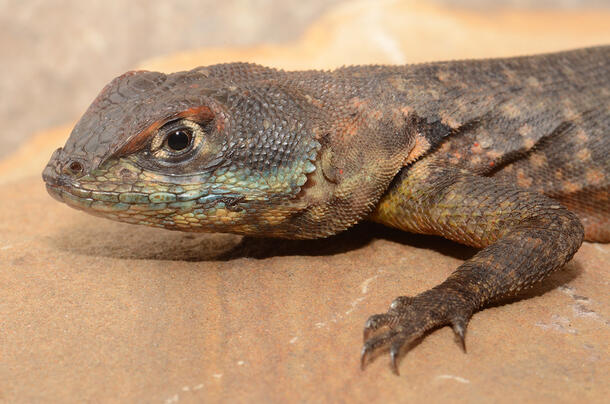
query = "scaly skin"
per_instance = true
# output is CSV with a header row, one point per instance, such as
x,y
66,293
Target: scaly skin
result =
x,y
486,153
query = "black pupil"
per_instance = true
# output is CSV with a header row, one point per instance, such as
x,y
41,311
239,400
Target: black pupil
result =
x,y
179,139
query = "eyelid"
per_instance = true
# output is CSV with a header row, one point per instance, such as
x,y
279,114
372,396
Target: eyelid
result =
x,y
201,115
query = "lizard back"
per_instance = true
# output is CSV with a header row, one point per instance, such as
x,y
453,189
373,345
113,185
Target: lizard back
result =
x,y
541,122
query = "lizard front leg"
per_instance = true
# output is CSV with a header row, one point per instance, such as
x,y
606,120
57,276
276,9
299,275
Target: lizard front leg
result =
x,y
524,236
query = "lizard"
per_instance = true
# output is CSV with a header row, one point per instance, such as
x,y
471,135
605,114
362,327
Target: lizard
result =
x,y
508,155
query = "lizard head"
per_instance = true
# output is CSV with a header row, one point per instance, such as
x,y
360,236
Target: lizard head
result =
x,y
197,151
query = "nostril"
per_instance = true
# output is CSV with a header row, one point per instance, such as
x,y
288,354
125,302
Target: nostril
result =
x,y
74,168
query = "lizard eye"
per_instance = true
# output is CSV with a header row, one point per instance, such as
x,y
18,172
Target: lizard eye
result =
x,y
176,143
179,139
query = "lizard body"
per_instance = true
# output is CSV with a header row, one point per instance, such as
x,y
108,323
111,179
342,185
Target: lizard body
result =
x,y
508,155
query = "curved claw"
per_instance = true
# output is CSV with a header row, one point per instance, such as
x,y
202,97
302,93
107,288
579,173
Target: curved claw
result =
x,y
363,356
409,318
395,353
373,344
393,356
459,329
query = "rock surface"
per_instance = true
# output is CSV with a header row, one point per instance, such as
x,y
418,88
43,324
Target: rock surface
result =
x,y
92,310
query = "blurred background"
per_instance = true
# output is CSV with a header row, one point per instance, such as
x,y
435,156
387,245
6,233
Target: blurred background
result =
x,y
56,55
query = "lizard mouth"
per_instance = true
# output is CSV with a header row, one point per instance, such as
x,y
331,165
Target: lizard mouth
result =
x,y
147,200
83,199
55,192
186,210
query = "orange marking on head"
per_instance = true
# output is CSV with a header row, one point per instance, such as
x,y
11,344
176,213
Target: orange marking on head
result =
x,y
138,141
198,114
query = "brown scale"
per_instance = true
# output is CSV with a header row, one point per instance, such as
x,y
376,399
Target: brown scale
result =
x,y
488,153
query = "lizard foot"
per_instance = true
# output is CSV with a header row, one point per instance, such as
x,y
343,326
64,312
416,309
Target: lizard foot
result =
x,y
409,318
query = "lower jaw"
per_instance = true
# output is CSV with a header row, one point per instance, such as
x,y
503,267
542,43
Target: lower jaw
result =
x,y
108,212
60,194
55,192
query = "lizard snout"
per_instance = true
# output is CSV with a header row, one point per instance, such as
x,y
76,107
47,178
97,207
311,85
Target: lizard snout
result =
x,y
50,174
60,169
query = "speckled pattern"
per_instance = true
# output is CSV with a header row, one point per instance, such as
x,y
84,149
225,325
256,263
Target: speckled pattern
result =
x,y
455,149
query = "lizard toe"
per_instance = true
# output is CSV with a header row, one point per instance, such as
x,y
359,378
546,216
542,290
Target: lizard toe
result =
x,y
408,319
377,321
375,344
